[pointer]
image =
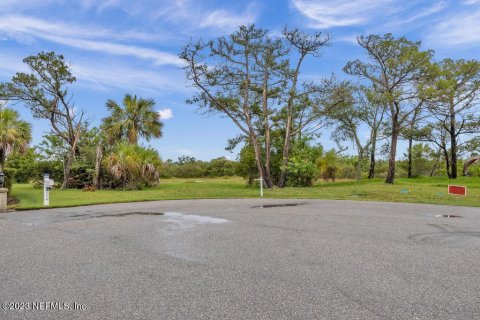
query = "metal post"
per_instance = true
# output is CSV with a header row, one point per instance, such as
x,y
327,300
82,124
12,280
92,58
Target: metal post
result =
x,y
46,189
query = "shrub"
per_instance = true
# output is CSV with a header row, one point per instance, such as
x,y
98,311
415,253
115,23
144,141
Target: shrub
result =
x,y
9,178
134,166
328,165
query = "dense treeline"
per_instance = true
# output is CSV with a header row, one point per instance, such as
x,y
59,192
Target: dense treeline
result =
x,y
398,92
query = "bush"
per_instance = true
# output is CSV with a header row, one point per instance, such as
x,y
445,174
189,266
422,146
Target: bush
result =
x,y
328,165
247,167
25,165
53,167
135,167
9,178
302,167
221,167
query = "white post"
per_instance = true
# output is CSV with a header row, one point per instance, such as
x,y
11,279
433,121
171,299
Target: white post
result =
x,y
261,186
46,189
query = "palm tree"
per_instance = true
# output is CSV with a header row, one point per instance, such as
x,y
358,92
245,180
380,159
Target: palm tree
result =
x,y
15,134
136,118
134,165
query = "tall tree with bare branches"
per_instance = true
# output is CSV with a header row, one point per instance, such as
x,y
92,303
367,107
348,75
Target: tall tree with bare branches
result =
x,y
45,90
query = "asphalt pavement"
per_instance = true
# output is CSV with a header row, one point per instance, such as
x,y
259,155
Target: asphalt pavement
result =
x,y
241,259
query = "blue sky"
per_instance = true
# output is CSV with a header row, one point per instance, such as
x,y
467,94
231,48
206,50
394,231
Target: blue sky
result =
x,y
119,46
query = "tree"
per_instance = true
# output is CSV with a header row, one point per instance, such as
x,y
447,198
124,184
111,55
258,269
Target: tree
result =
x,y
395,70
15,134
421,160
228,82
244,77
455,93
409,133
305,45
46,92
273,70
357,111
136,118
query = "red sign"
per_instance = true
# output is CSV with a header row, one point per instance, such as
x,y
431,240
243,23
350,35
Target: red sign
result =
x,y
460,190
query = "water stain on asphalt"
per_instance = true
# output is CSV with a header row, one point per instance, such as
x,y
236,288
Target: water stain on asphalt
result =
x,y
85,216
448,216
446,236
176,216
279,205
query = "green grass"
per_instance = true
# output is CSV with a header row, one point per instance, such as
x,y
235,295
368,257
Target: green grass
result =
x,y
420,190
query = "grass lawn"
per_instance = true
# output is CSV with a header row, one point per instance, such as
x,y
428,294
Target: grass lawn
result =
x,y
420,190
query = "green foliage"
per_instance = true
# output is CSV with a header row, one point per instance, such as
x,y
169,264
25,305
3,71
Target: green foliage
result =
x,y
9,178
423,160
302,167
221,167
45,90
15,134
474,170
134,166
328,165
189,167
25,164
247,167
136,118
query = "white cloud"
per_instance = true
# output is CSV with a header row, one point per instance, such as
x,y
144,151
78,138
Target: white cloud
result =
x,y
22,5
158,57
26,29
459,29
165,114
338,13
429,10
188,15
226,19
385,15
102,76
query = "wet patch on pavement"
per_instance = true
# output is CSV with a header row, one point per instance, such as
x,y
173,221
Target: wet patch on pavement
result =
x,y
279,205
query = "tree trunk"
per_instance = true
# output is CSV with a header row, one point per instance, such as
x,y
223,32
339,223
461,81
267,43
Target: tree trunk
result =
x,y
434,167
371,171
258,159
410,143
286,155
392,156
468,163
447,164
68,164
98,166
359,165
268,172
453,148
288,129
68,167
